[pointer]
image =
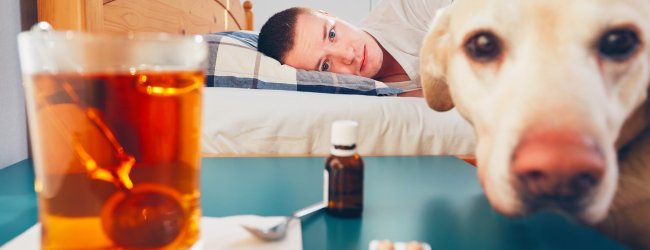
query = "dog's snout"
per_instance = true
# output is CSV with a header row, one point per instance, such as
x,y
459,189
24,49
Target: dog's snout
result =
x,y
557,166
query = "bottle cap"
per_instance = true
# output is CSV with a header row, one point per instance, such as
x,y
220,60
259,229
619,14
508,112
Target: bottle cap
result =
x,y
344,133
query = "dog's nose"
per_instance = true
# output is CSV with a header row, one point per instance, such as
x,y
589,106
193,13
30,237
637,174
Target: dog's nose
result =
x,y
558,165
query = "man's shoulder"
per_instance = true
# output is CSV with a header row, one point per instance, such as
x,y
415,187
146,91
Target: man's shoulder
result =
x,y
408,8
413,4
407,12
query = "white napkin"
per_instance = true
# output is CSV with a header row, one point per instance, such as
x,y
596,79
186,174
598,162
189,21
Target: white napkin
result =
x,y
216,233
227,233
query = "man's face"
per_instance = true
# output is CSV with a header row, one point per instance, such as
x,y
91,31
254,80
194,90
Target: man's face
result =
x,y
325,43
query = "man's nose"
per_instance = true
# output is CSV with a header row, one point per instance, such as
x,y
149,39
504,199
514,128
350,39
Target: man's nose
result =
x,y
344,54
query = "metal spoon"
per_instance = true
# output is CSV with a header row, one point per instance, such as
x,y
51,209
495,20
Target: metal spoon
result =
x,y
280,230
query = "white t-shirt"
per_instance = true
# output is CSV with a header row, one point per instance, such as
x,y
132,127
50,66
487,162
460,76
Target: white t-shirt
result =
x,y
400,26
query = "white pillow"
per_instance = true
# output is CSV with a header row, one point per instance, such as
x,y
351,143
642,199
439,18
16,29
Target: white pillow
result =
x,y
235,62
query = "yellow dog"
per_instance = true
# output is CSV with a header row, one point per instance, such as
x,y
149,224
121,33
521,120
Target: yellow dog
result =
x,y
557,92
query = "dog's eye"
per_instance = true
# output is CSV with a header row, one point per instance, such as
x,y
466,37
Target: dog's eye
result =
x,y
483,46
618,44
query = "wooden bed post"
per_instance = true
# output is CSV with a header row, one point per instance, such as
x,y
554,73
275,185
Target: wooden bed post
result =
x,y
172,16
248,11
72,14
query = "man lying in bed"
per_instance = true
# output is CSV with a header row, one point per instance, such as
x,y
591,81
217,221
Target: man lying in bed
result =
x,y
385,47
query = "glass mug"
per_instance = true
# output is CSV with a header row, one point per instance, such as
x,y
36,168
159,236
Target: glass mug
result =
x,y
114,125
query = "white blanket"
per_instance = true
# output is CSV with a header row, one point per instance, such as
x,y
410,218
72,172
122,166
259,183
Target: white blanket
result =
x,y
251,121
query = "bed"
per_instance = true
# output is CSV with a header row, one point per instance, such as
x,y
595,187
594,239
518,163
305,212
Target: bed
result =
x,y
255,120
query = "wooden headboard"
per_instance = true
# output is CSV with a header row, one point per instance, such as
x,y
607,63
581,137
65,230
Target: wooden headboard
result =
x,y
171,16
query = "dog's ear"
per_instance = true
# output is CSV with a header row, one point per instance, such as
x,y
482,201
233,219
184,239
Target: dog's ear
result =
x,y
433,62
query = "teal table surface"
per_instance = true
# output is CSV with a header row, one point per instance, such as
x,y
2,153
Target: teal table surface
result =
x,y
435,199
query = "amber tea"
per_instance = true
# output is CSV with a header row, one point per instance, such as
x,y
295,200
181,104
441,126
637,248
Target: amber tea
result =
x,y
117,158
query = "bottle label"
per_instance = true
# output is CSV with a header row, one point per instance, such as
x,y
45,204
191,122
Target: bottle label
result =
x,y
326,182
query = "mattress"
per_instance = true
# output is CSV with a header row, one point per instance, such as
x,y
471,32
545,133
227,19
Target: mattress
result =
x,y
268,122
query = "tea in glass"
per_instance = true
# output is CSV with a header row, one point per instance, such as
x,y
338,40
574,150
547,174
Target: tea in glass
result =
x,y
115,139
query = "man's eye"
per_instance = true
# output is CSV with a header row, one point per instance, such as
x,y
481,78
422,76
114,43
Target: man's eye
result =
x,y
332,34
325,66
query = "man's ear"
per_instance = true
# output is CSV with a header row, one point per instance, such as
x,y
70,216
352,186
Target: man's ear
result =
x,y
433,63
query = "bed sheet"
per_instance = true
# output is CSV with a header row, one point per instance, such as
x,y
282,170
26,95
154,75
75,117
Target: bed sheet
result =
x,y
261,122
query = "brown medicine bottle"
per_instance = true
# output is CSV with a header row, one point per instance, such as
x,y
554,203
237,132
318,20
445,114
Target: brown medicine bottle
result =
x,y
344,172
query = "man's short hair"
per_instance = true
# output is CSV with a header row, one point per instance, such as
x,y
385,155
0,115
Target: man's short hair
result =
x,y
276,37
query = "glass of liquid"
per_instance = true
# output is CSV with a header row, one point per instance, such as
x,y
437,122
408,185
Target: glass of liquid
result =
x,y
114,124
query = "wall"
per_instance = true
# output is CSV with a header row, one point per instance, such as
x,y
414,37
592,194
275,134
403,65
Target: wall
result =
x,y
13,128
350,10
